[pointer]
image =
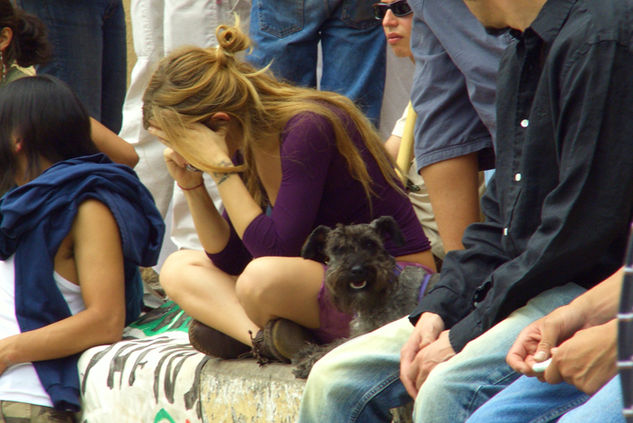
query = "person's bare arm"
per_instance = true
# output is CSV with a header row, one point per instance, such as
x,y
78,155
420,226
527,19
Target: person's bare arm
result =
x,y
99,264
112,145
453,187
392,145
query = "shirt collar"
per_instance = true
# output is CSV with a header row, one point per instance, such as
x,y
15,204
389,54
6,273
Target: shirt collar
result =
x,y
551,19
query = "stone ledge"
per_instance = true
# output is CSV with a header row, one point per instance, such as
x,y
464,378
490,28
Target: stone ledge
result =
x,y
241,391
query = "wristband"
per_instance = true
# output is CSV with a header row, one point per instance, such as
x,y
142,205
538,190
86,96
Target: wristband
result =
x,y
190,189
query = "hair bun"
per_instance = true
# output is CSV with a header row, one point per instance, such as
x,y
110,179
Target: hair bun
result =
x,y
32,47
231,39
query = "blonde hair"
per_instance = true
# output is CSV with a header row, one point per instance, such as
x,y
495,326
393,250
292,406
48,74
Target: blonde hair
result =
x,y
192,84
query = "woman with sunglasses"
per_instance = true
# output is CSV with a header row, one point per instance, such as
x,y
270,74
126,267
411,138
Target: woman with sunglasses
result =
x,y
285,160
397,17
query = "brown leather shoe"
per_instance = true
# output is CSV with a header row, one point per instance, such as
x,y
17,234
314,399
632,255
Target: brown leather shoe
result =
x,y
213,342
280,340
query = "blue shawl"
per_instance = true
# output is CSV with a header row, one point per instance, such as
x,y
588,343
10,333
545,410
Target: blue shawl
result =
x,y
37,216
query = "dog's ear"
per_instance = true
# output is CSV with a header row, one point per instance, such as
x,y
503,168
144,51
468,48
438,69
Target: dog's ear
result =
x,y
387,225
314,246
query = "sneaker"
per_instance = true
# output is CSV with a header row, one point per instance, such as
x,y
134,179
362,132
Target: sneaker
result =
x,y
213,342
280,340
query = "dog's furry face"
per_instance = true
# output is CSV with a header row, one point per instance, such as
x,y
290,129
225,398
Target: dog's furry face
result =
x,y
360,272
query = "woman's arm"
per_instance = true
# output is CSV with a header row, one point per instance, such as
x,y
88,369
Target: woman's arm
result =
x,y
112,145
206,149
98,262
213,231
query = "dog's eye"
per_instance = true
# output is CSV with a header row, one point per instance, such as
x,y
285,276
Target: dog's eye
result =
x,y
337,250
369,244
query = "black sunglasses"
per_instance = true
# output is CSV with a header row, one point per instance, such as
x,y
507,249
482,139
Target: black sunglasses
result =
x,y
399,8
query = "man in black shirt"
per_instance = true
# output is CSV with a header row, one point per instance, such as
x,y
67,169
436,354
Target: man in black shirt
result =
x,y
557,213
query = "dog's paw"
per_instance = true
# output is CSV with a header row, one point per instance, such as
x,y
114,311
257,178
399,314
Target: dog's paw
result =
x,y
302,371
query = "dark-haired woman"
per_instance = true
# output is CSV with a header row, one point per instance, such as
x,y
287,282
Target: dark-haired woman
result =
x,y
72,234
23,43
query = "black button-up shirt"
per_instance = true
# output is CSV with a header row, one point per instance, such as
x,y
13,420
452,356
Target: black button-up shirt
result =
x,y
558,208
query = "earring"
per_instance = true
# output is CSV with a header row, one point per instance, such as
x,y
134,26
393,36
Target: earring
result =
x,y
4,67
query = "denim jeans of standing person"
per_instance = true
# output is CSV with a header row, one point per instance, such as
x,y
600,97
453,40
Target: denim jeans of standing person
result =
x,y
359,381
89,51
286,33
530,401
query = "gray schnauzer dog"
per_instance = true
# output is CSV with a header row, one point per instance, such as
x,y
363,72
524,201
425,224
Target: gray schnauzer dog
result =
x,y
363,279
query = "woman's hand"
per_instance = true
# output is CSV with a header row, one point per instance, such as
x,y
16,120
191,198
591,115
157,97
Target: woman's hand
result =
x,y
177,168
199,145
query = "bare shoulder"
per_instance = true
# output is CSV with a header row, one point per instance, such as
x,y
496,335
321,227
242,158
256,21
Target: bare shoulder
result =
x,y
94,212
95,220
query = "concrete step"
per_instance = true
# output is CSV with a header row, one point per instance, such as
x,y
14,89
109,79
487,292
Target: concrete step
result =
x,y
241,391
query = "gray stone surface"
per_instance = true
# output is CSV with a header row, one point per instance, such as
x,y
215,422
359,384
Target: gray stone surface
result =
x,y
241,391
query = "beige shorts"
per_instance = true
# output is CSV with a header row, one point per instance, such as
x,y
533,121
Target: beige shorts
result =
x,y
20,412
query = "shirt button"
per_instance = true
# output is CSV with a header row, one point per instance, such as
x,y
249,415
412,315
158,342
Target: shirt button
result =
x,y
525,123
505,231
517,177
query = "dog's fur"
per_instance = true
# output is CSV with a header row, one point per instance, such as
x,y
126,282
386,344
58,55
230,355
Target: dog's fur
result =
x,y
361,280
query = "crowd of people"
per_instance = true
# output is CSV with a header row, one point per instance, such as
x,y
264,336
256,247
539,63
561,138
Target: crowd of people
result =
x,y
253,145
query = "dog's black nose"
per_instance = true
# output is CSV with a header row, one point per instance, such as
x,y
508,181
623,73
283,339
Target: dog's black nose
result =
x,y
357,270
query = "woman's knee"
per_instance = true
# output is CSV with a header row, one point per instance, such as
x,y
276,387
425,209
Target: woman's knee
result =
x,y
256,283
173,273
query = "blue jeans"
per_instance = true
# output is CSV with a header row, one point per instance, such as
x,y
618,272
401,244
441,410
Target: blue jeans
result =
x,y
530,401
89,52
287,33
359,381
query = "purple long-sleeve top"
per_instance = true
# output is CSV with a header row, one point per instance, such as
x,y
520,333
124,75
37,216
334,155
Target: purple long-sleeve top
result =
x,y
318,189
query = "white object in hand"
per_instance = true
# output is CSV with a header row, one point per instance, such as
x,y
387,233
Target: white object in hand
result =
x,y
540,367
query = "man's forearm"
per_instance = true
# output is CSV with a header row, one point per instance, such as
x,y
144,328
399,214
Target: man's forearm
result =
x,y
600,304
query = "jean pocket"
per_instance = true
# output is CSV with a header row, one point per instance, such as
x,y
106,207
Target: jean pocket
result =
x,y
280,18
359,14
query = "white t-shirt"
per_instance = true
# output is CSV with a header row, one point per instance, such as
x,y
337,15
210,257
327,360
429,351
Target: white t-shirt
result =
x,y
20,383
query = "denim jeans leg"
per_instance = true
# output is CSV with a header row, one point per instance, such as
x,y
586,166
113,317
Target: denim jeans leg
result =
x,y
457,387
74,30
114,65
354,56
358,381
605,406
285,34
529,400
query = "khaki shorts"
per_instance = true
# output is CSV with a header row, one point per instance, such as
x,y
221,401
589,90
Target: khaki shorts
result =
x,y
19,412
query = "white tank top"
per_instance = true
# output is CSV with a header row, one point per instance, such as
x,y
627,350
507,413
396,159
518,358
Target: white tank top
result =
x,y
20,382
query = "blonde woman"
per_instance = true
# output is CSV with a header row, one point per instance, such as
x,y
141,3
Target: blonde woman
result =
x,y
285,160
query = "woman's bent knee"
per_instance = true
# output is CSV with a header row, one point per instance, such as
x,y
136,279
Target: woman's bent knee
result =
x,y
173,273
257,282
255,286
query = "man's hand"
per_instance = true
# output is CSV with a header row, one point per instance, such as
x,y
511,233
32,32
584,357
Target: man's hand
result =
x,y
426,332
535,342
432,355
587,360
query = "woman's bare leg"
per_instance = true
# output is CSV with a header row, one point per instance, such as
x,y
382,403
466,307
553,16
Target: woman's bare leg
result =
x,y
206,293
288,287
